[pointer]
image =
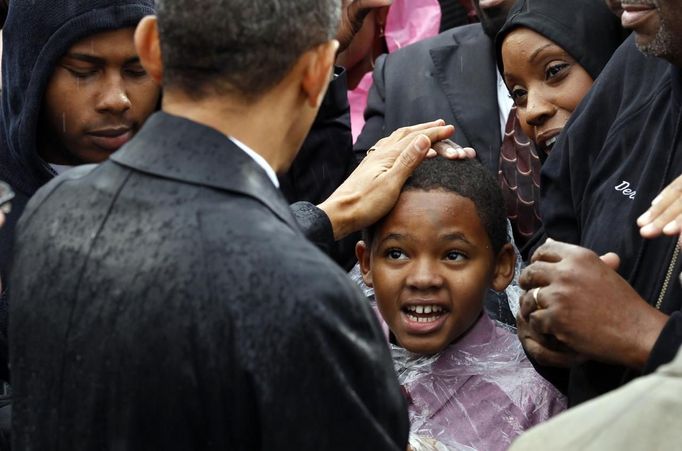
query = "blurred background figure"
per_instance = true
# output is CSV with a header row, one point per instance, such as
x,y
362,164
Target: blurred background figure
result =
x,y
456,12
384,31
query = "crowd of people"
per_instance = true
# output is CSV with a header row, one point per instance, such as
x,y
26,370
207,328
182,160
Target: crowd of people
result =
x,y
341,224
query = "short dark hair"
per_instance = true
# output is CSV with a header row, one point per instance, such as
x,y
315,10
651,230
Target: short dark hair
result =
x,y
467,178
244,47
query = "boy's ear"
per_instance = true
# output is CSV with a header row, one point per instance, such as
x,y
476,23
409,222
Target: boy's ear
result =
x,y
363,254
318,70
505,265
149,48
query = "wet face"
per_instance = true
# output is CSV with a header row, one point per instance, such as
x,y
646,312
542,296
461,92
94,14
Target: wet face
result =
x,y
430,264
492,14
657,25
96,100
545,82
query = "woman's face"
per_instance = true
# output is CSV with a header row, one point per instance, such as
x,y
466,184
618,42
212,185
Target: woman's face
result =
x,y
544,81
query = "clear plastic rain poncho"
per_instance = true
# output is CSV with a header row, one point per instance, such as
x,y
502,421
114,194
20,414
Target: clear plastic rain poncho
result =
x,y
479,393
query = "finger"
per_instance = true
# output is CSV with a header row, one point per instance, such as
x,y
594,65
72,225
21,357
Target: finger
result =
x,y
434,134
662,202
409,159
538,274
551,251
527,305
665,221
417,128
449,149
541,321
611,259
548,357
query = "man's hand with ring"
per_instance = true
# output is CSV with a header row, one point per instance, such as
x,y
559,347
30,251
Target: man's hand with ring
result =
x,y
586,306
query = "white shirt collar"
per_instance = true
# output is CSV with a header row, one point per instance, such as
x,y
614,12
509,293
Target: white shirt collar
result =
x,y
504,102
259,160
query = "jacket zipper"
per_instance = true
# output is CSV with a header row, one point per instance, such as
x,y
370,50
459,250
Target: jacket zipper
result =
x,y
668,276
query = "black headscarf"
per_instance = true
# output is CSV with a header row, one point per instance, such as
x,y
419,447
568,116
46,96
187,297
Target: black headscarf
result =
x,y
586,29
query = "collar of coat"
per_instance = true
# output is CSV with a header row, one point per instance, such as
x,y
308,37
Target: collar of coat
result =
x,y
179,149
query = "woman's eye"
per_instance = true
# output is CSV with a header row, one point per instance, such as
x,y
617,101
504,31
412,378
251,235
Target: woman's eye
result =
x,y
554,70
518,95
455,256
395,254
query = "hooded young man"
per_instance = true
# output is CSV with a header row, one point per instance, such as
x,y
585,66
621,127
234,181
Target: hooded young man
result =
x,y
73,92
194,313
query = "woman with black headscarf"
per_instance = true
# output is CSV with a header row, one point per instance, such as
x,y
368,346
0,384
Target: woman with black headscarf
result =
x,y
550,52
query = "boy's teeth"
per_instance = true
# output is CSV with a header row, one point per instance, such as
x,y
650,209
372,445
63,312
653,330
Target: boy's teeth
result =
x,y
417,319
424,309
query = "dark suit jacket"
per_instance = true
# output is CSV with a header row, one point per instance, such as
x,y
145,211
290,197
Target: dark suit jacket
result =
x,y
452,77
166,299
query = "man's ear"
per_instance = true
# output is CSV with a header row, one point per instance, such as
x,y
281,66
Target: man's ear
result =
x,y
148,47
505,265
363,254
318,71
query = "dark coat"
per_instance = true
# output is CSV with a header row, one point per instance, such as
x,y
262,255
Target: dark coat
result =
x,y
622,146
452,77
166,299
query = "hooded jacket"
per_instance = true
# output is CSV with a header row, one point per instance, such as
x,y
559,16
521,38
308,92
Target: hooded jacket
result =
x,y
590,37
36,35
621,147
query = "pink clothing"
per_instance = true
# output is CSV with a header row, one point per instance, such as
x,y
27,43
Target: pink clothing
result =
x,y
408,21
479,393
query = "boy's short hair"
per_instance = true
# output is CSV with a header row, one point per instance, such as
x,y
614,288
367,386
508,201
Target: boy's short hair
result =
x,y
469,179
244,47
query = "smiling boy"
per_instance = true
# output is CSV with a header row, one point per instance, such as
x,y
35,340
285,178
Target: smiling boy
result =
x,y
431,262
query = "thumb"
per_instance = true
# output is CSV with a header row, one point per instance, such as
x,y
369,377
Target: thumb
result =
x,y
411,156
611,259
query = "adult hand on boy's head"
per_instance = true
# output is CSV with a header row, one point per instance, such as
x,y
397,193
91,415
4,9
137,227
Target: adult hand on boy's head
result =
x,y
578,298
370,192
352,17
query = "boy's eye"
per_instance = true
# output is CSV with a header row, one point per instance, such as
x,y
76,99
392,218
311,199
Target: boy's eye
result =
x,y
395,254
455,256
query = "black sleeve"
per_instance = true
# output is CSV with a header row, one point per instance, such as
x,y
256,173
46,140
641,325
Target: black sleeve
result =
x,y
375,126
668,344
326,157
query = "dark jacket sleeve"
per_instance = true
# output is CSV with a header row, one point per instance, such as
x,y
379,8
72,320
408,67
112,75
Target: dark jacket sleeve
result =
x,y
326,157
668,344
375,125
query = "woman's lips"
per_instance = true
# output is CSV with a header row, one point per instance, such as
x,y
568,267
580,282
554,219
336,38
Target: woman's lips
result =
x,y
111,140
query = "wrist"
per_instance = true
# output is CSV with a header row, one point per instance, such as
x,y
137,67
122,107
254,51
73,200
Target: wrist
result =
x,y
338,209
648,329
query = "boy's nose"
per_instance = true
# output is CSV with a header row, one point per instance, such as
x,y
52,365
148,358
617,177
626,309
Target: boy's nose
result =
x,y
425,275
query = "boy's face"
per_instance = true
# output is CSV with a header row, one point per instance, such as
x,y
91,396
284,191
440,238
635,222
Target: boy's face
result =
x,y
431,263
96,100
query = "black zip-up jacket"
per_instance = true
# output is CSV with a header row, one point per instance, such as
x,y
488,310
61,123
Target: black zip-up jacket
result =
x,y
622,146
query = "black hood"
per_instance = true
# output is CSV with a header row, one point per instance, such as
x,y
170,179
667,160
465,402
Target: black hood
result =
x,y
36,35
586,29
